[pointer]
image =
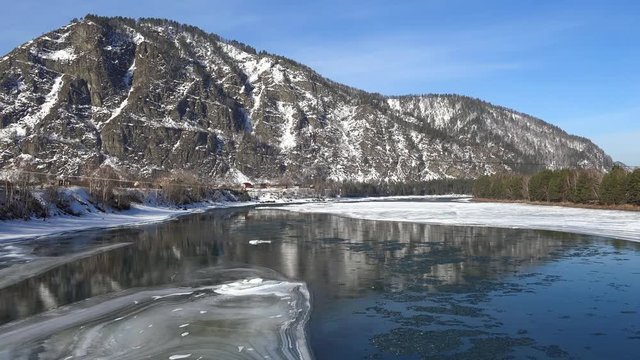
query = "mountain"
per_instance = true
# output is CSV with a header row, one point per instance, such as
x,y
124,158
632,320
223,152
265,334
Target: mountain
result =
x,y
151,96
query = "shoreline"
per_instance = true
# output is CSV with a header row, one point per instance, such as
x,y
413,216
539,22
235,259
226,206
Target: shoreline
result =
x,y
143,214
624,207
138,215
610,224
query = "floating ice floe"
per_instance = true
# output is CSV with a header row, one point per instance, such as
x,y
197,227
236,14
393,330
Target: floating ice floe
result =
x,y
258,242
276,309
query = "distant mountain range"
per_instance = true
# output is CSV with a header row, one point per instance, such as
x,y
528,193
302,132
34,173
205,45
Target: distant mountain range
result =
x,y
152,96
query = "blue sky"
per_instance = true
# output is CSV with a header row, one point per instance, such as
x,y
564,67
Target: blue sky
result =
x,y
573,63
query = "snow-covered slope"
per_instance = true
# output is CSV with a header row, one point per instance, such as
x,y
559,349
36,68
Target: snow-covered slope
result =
x,y
523,139
150,96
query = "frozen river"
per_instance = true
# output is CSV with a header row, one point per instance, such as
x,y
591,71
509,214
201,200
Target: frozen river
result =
x,y
338,281
461,211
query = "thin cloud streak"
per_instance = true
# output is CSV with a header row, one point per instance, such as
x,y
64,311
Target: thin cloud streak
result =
x,y
373,61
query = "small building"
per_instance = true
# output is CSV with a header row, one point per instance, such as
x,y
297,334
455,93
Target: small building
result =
x,y
247,185
63,181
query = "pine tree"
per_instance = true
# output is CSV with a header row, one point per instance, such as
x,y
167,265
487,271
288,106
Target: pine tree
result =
x,y
586,184
559,183
633,188
539,185
482,187
515,187
613,187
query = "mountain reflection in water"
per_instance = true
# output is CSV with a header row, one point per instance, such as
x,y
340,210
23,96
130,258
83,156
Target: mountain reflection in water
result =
x,y
381,289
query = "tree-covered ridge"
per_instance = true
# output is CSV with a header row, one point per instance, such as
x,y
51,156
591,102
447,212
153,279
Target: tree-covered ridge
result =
x,y
617,187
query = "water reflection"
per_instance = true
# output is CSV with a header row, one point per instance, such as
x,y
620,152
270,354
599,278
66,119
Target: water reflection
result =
x,y
414,276
346,256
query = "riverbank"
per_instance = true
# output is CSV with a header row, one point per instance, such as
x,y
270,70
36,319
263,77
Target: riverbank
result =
x,y
623,207
139,214
78,211
460,210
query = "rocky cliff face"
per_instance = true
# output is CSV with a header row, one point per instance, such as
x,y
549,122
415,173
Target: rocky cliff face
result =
x,y
153,96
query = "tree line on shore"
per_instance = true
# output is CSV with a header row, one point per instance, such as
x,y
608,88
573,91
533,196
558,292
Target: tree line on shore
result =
x,y
617,187
384,188
23,196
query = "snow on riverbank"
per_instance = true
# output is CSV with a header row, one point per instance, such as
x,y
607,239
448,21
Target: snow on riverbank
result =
x,y
137,215
458,211
610,223
89,216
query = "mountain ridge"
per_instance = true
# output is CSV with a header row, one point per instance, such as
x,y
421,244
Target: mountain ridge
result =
x,y
151,96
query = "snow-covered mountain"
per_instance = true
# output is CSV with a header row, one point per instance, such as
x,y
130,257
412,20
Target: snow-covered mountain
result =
x,y
151,96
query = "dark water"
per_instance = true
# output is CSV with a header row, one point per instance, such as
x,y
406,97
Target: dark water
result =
x,y
379,290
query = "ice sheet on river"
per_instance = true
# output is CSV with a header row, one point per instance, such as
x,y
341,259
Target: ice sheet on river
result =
x,y
250,318
610,223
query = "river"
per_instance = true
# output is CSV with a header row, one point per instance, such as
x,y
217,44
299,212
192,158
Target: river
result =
x,y
266,284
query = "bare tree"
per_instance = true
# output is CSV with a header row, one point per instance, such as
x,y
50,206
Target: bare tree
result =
x,y
102,183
